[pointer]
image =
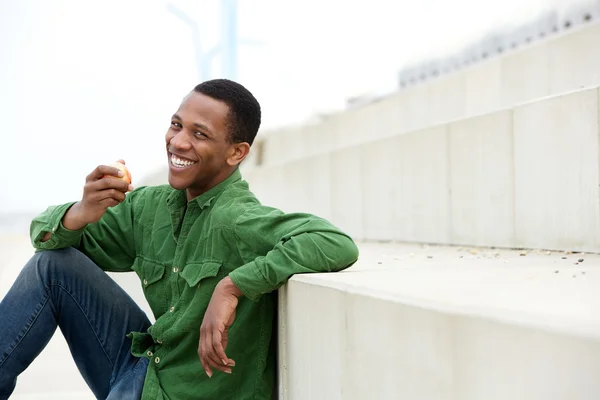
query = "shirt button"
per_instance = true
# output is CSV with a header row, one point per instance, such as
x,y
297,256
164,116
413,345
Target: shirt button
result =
x,y
175,270
145,281
171,309
157,360
150,354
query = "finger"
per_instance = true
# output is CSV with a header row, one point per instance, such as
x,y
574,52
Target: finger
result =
x,y
209,354
230,362
105,201
109,194
201,354
110,202
102,170
218,346
204,339
102,195
215,363
120,160
205,365
110,183
212,357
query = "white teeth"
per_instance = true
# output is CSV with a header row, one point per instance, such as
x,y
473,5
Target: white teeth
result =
x,y
178,162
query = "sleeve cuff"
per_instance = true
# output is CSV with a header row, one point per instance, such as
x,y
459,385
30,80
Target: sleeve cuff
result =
x,y
250,281
61,236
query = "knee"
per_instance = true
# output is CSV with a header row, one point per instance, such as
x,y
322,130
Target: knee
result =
x,y
58,256
45,267
46,261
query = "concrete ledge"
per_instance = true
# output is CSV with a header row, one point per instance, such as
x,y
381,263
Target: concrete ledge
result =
x,y
490,325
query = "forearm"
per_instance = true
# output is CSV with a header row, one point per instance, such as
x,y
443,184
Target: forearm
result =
x,y
229,287
305,253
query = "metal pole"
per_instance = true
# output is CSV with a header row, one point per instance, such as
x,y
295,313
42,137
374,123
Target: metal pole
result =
x,y
229,44
202,62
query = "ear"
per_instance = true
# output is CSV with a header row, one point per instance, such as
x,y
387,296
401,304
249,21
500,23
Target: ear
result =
x,y
237,153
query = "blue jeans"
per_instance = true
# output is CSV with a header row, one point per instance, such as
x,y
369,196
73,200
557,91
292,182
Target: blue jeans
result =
x,y
64,288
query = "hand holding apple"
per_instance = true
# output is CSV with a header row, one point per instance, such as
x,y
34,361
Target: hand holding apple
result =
x,y
105,187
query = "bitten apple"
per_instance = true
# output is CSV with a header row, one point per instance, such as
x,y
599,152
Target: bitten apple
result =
x,y
126,175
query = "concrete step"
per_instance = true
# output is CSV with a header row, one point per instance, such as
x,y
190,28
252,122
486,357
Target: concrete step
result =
x,y
525,177
412,322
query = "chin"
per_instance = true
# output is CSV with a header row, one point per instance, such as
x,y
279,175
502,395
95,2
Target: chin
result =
x,y
177,184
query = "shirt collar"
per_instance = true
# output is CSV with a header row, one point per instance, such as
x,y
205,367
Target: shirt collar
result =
x,y
206,198
177,200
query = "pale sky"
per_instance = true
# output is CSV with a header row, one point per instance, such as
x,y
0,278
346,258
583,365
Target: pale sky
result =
x,y
87,82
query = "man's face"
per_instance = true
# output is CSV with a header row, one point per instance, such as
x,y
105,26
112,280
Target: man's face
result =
x,y
198,146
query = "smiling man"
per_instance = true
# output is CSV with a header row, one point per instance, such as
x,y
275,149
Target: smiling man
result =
x,y
209,256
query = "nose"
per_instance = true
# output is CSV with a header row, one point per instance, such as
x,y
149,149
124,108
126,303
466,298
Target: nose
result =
x,y
180,140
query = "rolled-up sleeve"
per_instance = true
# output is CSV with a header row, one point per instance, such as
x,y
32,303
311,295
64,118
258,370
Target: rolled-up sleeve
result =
x,y
110,242
291,244
50,222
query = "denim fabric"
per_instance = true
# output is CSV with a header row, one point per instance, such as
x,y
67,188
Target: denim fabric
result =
x,y
64,288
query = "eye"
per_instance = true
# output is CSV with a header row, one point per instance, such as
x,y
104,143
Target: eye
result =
x,y
175,124
200,135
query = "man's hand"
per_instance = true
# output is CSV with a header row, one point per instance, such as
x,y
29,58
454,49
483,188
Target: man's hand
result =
x,y
99,193
214,332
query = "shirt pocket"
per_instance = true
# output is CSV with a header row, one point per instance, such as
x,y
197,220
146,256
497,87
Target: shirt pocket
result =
x,y
199,281
196,275
151,274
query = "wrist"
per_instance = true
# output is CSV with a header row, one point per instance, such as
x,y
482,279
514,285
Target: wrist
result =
x,y
73,219
229,287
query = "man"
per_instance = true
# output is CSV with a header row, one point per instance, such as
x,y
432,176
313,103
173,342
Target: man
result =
x,y
208,254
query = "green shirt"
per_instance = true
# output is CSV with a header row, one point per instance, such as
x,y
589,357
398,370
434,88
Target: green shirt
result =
x,y
180,251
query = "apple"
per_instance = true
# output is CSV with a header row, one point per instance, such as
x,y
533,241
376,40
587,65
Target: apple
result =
x,y
126,175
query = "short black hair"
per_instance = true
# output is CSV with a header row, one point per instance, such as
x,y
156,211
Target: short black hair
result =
x,y
244,109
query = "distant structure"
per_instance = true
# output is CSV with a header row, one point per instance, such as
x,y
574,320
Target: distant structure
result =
x,y
226,48
549,23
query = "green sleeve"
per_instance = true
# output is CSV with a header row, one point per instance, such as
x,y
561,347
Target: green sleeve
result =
x,y
50,221
277,246
109,243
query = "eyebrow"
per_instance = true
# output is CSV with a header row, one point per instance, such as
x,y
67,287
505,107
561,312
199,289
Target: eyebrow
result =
x,y
196,124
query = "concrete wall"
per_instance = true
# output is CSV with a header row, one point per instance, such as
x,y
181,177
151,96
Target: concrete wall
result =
x,y
503,153
553,66
360,347
527,176
481,180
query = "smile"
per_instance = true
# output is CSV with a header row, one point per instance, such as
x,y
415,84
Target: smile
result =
x,y
180,162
